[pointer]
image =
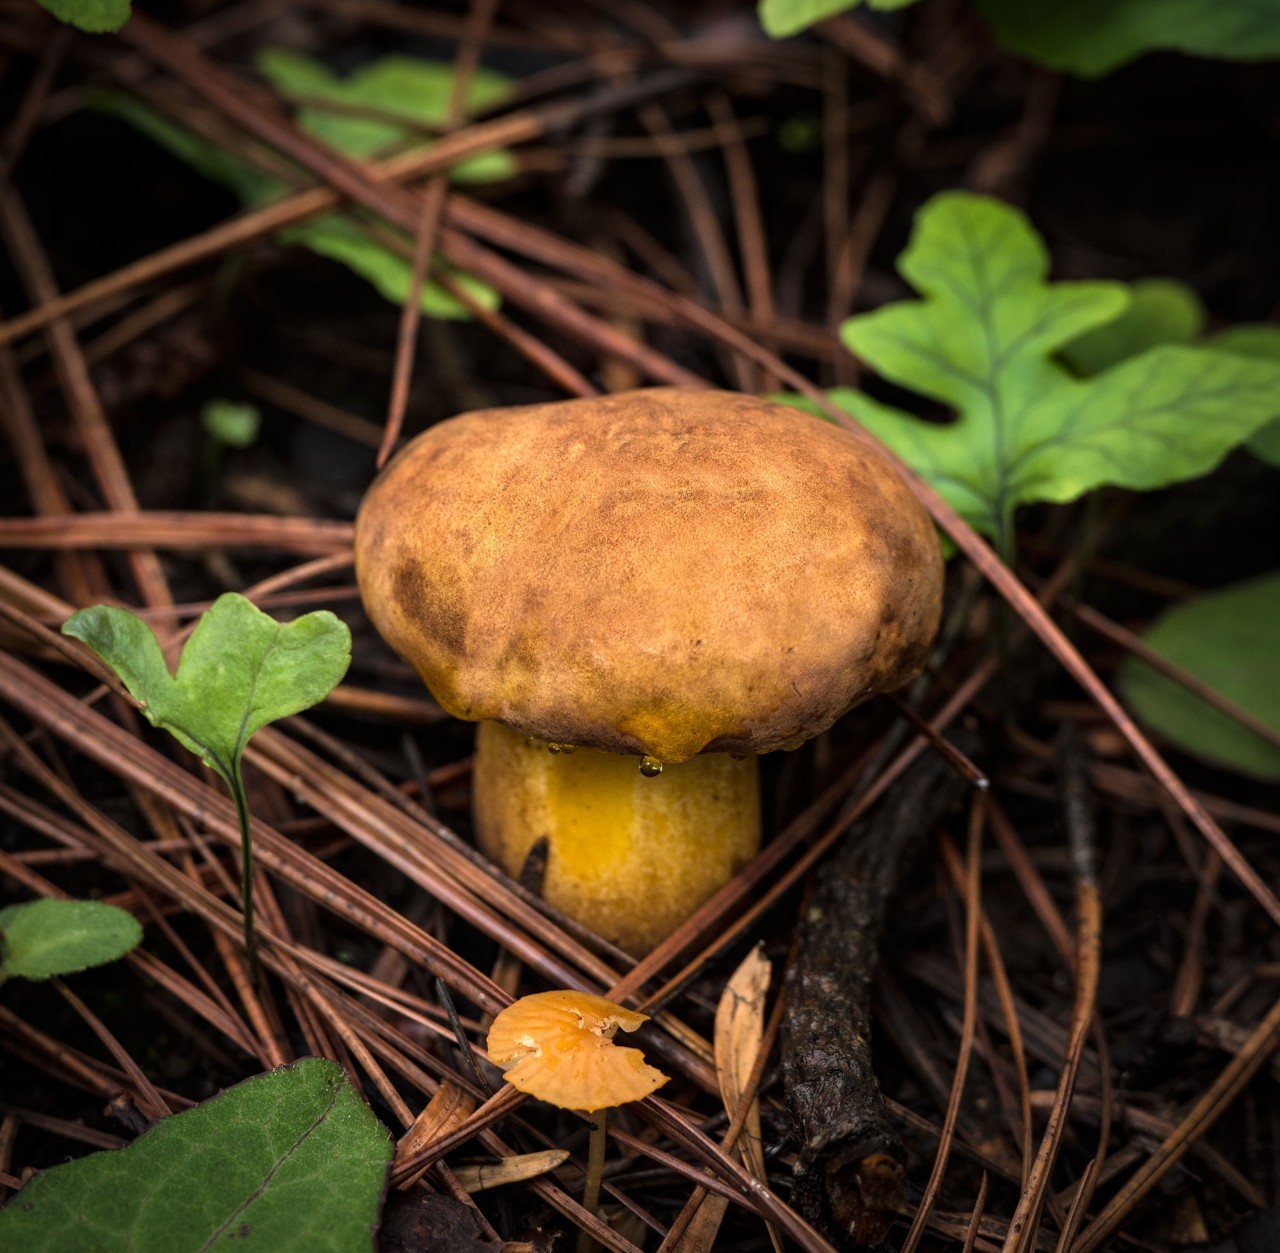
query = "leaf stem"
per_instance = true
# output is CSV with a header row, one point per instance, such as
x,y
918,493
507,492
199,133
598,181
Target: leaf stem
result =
x,y
1006,543
236,784
1006,547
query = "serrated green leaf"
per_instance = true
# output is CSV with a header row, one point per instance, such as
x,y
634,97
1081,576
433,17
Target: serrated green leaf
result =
x,y
985,340
40,939
240,670
290,1161
1164,311
1261,342
1231,640
95,17
782,18
1161,311
1093,37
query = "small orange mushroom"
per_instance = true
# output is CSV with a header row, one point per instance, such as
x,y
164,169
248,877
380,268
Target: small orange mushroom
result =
x,y
558,1046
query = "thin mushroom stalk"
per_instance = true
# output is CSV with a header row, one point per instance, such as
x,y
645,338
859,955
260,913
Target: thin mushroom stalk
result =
x,y
595,1173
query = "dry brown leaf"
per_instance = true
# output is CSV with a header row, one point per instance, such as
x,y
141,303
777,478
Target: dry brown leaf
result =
x,y
447,1109
739,1030
509,1169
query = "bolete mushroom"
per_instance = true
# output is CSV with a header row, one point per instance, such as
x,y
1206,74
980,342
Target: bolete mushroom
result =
x,y
635,595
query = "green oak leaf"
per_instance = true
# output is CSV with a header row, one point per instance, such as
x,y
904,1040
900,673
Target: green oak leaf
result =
x,y
95,17
40,939
1230,640
782,18
240,670
1093,37
289,1162
1160,311
985,341
1164,311
1261,342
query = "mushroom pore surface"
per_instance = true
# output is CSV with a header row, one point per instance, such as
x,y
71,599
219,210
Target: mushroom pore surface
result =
x,y
661,572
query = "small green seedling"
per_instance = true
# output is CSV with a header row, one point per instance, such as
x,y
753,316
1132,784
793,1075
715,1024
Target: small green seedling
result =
x,y
41,939
291,1161
405,96
240,670
987,340
228,424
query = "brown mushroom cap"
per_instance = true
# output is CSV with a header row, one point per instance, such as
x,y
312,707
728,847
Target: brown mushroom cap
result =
x,y
660,572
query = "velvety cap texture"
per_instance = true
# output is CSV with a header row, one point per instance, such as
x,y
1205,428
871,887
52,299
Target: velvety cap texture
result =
x,y
661,572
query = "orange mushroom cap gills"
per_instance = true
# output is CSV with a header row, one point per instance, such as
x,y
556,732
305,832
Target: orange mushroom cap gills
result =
x,y
558,1046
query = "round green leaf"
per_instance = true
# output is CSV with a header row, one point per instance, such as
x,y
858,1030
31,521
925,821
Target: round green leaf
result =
x,y
291,1160
46,938
1231,640
240,670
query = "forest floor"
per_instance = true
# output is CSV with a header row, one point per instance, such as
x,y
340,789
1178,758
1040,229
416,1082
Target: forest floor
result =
x,y
683,202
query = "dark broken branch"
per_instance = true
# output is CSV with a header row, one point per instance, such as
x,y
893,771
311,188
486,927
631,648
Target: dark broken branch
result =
x,y
850,1168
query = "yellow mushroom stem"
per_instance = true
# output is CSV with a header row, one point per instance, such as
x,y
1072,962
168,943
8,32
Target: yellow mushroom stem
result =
x,y
630,855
